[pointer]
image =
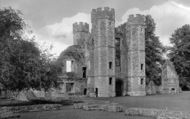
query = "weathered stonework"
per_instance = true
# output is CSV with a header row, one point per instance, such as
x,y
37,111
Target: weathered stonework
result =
x,y
136,55
170,81
131,68
103,25
114,57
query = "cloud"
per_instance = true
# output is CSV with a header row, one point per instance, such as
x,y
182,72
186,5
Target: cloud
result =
x,y
60,34
168,17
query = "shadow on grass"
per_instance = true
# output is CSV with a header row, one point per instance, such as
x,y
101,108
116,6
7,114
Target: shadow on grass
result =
x,y
39,101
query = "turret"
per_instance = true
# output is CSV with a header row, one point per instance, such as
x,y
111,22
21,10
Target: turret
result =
x,y
135,36
80,27
137,19
103,13
80,33
103,25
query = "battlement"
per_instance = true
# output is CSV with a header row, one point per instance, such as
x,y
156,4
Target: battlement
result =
x,y
136,19
80,27
103,13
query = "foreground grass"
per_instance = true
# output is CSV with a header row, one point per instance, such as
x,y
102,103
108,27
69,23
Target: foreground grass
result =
x,y
4,102
178,102
69,113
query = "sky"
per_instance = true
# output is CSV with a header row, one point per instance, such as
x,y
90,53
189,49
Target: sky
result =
x,y
51,20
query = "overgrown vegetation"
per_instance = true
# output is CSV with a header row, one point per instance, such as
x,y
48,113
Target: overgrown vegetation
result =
x,y
22,64
179,54
154,51
74,52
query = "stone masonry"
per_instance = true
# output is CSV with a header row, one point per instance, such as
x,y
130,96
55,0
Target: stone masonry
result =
x,y
136,55
170,79
103,24
114,56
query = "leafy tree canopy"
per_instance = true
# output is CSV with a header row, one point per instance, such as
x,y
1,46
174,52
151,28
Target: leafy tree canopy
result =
x,y
154,50
179,54
22,64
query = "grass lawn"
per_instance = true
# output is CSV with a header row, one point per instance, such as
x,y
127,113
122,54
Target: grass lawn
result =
x,y
179,102
69,113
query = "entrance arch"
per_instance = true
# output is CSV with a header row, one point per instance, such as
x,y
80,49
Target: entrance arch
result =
x,y
119,87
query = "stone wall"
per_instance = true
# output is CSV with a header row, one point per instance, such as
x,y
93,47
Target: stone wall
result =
x,y
100,56
170,81
157,113
103,24
80,34
133,111
121,69
135,29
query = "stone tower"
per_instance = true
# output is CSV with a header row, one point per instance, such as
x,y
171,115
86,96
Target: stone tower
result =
x,y
81,36
80,33
103,25
135,35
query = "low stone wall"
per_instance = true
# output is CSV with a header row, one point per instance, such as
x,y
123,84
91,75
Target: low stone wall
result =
x,y
146,112
110,107
173,115
143,112
157,113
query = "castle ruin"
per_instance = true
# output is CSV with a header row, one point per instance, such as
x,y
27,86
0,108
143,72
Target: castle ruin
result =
x,y
114,57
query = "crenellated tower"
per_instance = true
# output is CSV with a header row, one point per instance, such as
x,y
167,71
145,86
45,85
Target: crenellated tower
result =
x,y
103,24
81,36
135,36
80,33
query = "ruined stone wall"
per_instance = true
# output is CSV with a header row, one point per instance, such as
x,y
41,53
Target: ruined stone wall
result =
x,y
90,71
136,54
103,24
121,30
121,70
81,36
80,33
76,66
99,50
170,81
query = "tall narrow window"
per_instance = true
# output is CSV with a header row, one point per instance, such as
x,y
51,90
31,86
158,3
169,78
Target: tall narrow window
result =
x,y
110,65
84,72
68,66
141,66
110,81
142,81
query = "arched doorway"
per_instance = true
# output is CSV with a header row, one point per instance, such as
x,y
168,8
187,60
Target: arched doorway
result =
x,y
119,87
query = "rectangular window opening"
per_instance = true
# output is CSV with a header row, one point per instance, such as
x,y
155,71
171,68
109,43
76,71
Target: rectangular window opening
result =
x,y
142,81
68,66
84,72
110,65
110,81
141,66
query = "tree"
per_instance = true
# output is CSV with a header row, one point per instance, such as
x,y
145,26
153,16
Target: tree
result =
x,y
10,26
179,54
22,64
153,50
